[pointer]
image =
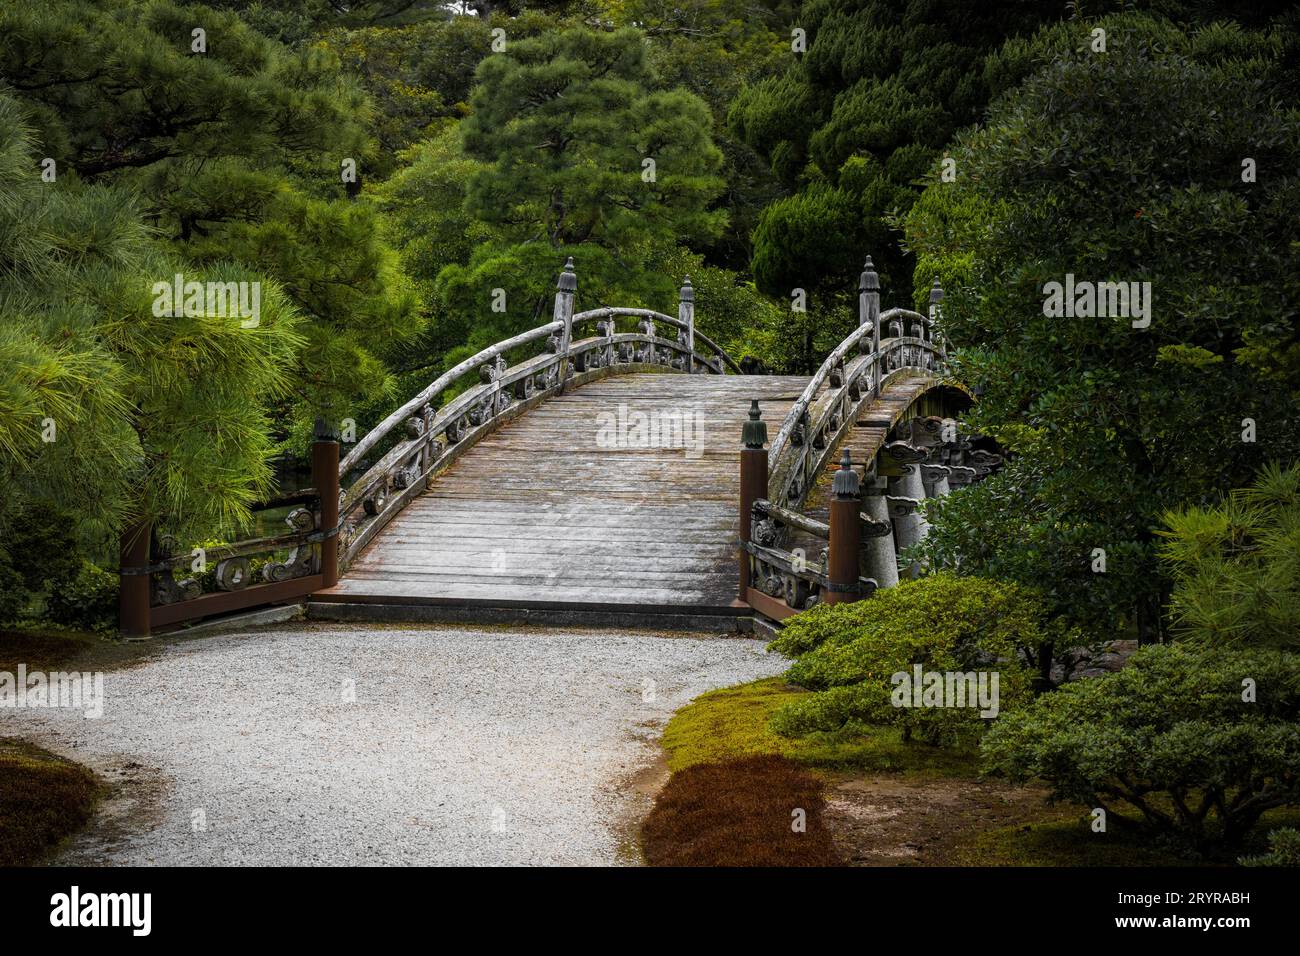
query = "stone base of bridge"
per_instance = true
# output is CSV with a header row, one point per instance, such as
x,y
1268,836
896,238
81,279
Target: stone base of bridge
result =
x,y
736,620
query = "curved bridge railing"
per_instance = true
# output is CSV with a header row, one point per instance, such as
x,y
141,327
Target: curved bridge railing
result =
x,y
869,522
557,356
351,500
853,376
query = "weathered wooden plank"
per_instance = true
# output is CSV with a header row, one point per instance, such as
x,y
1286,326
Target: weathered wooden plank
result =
x,y
546,511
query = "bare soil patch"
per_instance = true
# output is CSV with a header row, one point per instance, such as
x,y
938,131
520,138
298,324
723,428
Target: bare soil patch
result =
x,y
891,820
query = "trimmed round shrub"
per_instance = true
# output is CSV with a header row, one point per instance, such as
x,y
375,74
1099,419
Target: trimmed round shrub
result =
x,y
1195,744
852,654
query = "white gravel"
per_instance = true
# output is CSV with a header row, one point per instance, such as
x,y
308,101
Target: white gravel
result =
x,y
462,746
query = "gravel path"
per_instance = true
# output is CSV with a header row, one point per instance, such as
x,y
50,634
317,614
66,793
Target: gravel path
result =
x,y
462,746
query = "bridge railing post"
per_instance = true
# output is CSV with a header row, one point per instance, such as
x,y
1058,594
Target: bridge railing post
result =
x,y
133,580
325,478
566,289
936,314
753,484
686,312
869,312
845,535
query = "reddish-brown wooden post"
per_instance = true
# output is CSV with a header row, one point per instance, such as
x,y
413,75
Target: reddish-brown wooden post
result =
x,y
846,535
133,580
325,477
753,483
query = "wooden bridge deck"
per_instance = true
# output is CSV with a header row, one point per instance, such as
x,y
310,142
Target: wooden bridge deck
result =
x,y
539,514
544,514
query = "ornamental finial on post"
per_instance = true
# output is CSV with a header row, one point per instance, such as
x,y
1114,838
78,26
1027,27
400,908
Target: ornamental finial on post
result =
x,y
845,483
324,430
869,281
568,278
687,293
869,308
754,432
936,298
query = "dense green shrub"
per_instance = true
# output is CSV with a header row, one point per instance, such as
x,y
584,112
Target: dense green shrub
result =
x,y
39,555
1123,167
1236,565
848,654
1284,850
12,595
855,122
1192,743
87,601
42,544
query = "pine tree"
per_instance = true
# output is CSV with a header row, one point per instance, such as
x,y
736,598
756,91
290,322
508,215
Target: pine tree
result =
x,y
239,150
580,152
106,407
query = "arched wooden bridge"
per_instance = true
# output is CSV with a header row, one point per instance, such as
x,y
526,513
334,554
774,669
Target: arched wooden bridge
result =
x,y
606,464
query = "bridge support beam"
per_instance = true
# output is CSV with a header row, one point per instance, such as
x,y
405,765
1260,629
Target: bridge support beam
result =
x,y
845,535
133,581
878,551
936,480
909,524
753,484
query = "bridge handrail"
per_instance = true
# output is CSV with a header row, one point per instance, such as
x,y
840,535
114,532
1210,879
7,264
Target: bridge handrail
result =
x,y
604,312
793,579
489,354
439,385
842,386
823,373
852,386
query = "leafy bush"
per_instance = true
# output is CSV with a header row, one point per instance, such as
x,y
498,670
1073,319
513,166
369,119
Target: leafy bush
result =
x,y
88,601
39,555
1236,565
849,652
43,546
1170,738
12,595
994,529
1284,850
1087,168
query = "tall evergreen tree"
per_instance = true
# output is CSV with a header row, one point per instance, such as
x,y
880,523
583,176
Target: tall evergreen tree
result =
x,y
1169,161
238,148
107,407
579,152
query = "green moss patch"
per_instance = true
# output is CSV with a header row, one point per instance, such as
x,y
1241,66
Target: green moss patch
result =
x,y
734,722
